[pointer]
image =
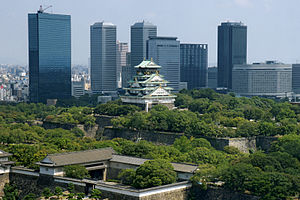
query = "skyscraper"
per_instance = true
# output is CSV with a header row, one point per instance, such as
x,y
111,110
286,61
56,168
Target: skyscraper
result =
x,y
193,65
165,51
296,78
140,33
126,71
232,50
103,57
49,42
122,50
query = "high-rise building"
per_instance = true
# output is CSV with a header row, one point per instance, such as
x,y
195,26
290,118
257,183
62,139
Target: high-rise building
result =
x,y
296,78
212,77
122,50
140,33
232,50
165,51
103,57
78,88
126,71
193,65
262,79
49,42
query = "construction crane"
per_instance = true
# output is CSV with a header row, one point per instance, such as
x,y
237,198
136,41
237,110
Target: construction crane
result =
x,y
41,10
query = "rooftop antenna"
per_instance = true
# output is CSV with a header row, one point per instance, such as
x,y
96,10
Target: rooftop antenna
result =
x,y
41,10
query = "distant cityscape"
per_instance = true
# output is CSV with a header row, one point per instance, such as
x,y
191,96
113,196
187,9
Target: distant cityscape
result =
x,y
112,63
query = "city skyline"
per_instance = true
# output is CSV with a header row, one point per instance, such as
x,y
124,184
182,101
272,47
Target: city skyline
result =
x,y
264,19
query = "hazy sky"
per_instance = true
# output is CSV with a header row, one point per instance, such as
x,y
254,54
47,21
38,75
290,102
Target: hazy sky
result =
x,y
273,25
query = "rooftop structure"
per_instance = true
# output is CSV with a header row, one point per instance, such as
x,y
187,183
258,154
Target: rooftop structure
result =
x,y
79,157
102,163
148,87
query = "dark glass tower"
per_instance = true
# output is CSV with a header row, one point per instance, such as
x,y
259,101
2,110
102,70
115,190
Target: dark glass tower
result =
x,y
232,50
49,38
140,33
193,65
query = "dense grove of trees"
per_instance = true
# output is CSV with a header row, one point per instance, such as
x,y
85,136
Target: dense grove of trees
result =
x,y
274,175
207,113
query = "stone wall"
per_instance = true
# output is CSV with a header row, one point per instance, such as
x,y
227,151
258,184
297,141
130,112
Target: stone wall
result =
x,y
151,136
243,144
50,125
89,131
217,193
168,138
264,142
4,178
25,183
103,120
175,191
180,194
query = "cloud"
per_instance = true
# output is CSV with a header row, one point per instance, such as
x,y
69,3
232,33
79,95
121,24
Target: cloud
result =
x,y
243,3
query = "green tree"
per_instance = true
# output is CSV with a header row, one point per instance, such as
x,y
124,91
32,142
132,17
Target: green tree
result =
x,y
183,144
71,188
30,196
80,196
58,191
237,175
127,176
154,173
96,194
47,193
11,192
76,171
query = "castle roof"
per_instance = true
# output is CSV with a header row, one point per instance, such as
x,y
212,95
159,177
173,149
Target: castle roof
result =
x,y
148,64
78,157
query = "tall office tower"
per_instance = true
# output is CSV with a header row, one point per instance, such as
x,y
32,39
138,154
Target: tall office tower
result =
x,y
103,57
122,50
165,51
140,33
193,65
126,71
212,77
49,39
296,78
232,50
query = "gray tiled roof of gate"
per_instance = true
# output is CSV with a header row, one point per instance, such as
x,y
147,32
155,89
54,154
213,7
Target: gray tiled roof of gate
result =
x,y
81,157
179,167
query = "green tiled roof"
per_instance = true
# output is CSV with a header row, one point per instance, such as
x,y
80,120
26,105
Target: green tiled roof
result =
x,y
148,64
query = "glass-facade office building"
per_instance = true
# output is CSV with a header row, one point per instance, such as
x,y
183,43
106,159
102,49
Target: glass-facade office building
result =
x,y
49,56
140,33
103,51
232,50
193,65
165,51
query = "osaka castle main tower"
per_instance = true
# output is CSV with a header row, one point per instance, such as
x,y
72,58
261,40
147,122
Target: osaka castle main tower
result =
x,y
148,87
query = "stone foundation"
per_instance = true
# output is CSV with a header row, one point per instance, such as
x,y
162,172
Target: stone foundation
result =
x,y
4,178
217,193
243,144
